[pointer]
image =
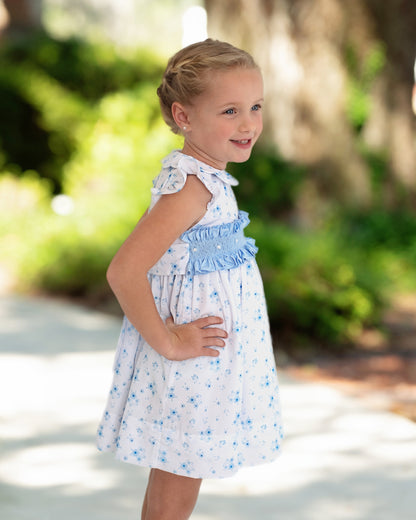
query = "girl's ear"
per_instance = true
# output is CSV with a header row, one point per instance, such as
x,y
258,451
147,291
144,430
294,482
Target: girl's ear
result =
x,y
180,115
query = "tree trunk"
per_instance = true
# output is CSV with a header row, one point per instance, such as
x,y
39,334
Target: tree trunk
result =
x,y
23,16
301,46
392,125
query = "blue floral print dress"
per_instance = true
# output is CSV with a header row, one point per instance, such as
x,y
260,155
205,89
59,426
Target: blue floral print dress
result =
x,y
204,417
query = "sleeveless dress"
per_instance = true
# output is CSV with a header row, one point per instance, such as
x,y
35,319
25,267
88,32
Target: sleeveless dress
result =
x,y
204,417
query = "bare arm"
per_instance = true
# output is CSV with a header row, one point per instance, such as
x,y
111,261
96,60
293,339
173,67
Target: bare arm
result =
x,y
127,275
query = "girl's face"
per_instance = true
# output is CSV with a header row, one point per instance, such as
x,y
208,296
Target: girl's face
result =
x,y
224,122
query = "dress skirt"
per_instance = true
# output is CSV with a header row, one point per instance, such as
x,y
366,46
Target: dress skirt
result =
x,y
204,417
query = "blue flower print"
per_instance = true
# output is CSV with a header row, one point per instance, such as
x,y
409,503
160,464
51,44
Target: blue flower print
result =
x,y
204,417
195,400
229,464
215,364
265,381
235,397
173,414
216,211
168,441
186,467
206,435
214,296
163,457
133,397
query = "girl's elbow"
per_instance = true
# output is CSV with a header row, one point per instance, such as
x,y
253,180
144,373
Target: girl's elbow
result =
x,y
120,276
114,276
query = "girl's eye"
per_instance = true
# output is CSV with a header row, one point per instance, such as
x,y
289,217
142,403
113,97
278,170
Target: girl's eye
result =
x,y
229,111
256,107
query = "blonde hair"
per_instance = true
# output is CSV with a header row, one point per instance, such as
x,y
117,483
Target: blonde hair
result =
x,y
185,76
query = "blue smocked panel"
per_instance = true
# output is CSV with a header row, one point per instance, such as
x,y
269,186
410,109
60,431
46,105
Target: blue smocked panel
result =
x,y
213,248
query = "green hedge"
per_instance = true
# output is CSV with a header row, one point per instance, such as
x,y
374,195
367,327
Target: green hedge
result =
x,y
317,285
87,125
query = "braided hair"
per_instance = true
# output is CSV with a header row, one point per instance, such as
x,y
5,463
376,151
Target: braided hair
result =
x,y
187,73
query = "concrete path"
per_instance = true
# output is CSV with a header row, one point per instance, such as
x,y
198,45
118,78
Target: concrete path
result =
x,y
341,460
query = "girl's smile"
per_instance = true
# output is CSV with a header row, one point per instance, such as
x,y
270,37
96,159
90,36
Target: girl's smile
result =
x,y
225,121
244,143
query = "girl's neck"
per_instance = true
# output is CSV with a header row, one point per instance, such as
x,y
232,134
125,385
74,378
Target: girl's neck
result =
x,y
200,155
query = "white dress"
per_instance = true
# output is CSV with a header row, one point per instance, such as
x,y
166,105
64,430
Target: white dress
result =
x,y
204,417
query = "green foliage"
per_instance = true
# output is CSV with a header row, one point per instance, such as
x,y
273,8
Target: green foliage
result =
x,y
101,149
362,73
380,228
90,70
268,184
109,179
378,165
54,116
22,141
388,235
317,285
70,253
88,122
48,93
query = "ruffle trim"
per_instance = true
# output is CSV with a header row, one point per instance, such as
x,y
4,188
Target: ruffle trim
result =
x,y
177,166
200,233
213,248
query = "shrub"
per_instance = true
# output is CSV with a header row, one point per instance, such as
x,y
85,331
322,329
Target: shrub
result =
x,y
268,184
317,286
48,93
89,70
108,179
91,126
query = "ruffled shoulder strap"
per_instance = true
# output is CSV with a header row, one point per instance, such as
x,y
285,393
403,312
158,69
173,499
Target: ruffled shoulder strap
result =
x,y
177,166
171,179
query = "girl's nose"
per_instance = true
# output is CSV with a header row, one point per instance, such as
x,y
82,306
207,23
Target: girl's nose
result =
x,y
246,124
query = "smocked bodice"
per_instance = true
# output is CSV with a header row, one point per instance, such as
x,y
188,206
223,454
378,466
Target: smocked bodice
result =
x,y
217,242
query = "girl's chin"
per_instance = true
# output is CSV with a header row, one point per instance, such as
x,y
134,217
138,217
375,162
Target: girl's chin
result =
x,y
241,157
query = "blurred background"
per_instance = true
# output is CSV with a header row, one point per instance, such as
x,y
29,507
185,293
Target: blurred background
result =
x,y
331,186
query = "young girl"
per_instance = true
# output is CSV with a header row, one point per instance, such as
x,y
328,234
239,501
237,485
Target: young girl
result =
x,y
195,391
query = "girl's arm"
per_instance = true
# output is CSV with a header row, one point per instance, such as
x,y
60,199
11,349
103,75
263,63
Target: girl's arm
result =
x,y
127,275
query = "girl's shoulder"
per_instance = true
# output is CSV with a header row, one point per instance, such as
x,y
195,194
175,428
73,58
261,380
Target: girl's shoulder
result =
x,y
177,166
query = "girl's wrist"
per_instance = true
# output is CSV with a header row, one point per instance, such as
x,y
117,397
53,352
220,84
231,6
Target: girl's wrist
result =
x,y
170,350
165,346
167,351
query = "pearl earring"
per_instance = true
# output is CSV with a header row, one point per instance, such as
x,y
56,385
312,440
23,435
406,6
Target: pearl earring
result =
x,y
184,127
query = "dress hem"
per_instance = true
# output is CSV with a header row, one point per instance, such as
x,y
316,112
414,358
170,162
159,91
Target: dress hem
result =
x,y
184,473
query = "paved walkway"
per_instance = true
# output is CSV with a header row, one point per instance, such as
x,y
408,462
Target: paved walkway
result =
x,y
341,461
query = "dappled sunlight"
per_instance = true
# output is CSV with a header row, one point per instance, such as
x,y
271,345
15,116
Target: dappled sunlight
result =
x,y
46,327
65,390
340,460
38,467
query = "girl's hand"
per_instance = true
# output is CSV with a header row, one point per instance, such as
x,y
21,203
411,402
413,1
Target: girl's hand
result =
x,y
192,339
